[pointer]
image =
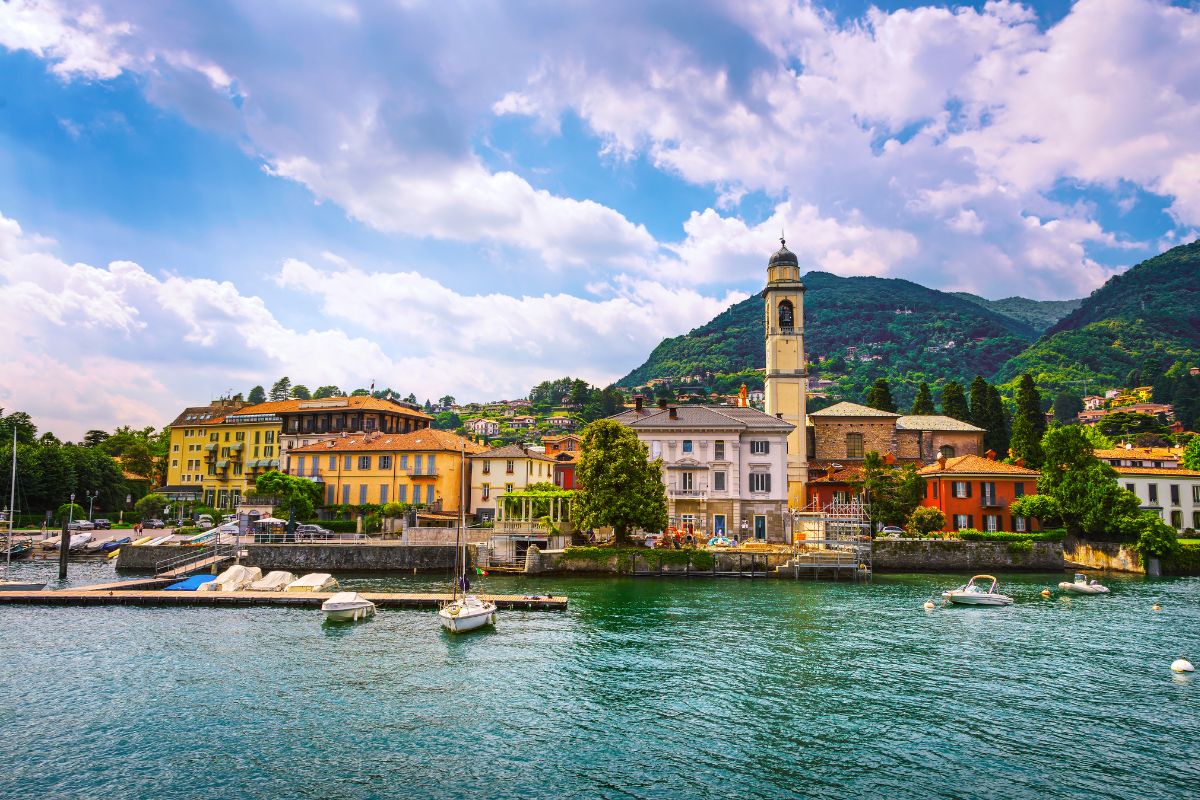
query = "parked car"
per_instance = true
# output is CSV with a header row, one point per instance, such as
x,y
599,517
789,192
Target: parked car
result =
x,y
154,523
892,532
81,525
102,524
312,532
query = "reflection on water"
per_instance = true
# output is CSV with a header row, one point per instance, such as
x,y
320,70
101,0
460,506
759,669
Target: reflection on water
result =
x,y
643,688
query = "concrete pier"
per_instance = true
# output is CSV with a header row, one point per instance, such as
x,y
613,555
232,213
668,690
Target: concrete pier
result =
x,y
100,596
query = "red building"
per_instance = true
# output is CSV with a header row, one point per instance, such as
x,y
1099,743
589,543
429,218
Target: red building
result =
x,y
565,452
976,492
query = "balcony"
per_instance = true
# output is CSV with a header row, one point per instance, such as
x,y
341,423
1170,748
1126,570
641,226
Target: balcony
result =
x,y
423,472
991,501
694,493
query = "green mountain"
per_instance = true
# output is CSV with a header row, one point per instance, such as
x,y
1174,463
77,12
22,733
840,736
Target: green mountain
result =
x,y
1037,314
898,329
1129,331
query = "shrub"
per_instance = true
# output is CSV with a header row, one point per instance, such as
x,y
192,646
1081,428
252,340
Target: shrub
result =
x,y
1020,546
971,535
924,520
1155,538
1185,562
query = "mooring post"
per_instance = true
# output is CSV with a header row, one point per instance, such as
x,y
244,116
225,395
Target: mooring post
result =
x,y
64,550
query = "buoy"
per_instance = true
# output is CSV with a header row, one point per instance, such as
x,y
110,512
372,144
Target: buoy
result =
x,y
928,604
1182,665
1045,592
1156,607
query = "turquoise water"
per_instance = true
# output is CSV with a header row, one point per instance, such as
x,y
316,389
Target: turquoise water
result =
x,y
643,689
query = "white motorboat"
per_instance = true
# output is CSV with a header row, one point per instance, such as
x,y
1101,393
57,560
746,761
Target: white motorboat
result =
x,y
76,542
973,594
467,614
347,607
275,581
313,582
233,579
1081,585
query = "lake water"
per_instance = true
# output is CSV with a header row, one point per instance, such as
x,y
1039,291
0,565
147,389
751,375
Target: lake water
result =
x,y
643,689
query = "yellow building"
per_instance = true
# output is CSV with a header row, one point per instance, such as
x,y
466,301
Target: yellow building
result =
x,y
423,467
784,386
218,450
501,470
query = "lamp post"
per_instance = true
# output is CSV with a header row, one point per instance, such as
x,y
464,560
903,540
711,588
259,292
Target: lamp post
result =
x,y
91,496
71,511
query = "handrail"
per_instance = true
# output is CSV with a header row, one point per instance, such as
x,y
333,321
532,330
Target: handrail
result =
x,y
208,550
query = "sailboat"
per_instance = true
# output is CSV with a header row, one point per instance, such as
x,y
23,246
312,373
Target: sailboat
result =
x,y
9,585
468,612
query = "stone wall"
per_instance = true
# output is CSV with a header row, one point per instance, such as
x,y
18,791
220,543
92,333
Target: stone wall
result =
x,y
937,555
333,558
1103,555
552,561
829,436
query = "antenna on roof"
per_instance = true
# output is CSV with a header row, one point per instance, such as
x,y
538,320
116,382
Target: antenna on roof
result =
x,y
782,241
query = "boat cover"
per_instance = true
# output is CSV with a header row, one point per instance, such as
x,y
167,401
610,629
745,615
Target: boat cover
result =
x,y
190,584
275,581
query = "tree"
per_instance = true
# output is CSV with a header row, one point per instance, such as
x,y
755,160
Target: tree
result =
x,y
447,421
996,437
138,459
1029,423
150,506
1043,508
94,438
623,488
1186,401
924,520
326,391
1098,440
664,392
300,392
281,389
891,493
1067,406
1191,454
923,403
365,393
1127,424
1085,488
257,395
880,396
446,401
979,399
295,493
70,511
412,398
26,430
1152,537
954,402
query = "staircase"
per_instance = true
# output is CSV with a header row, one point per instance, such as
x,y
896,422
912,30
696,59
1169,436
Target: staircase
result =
x,y
196,560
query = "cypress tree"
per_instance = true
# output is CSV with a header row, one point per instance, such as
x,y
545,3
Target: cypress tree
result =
x,y
880,396
1029,404
954,402
257,395
923,403
979,397
996,437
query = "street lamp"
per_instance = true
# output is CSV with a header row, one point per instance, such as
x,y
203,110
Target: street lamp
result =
x,y
71,511
91,496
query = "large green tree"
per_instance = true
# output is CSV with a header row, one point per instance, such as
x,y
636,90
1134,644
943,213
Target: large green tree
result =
x,y
257,395
1029,423
294,493
1067,406
996,425
281,389
880,396
1191,454
328,390
1086,489
622,487
954,402
979,402
923,402
891,493
300,392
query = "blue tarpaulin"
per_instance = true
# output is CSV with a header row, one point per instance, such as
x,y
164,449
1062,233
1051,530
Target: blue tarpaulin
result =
x,y
189,584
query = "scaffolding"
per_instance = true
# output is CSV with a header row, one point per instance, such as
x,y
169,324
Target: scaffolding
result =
x,y
833,540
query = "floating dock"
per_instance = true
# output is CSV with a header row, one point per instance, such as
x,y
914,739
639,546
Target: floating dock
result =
x,y
110,595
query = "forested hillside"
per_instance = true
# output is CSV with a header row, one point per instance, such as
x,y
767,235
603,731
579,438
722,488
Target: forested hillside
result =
x,y
1037,314
1129,331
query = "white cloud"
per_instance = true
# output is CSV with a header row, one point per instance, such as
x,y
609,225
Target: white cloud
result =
x,y
79,41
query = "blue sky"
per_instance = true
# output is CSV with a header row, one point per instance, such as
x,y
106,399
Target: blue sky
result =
x,y
470,197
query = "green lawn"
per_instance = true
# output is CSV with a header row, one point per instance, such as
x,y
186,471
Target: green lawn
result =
x,y
1189,541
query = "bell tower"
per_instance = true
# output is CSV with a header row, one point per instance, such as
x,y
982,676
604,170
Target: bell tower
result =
x,y
786,379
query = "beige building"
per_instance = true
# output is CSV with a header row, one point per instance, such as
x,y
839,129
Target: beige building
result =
x,y
784,387
505,469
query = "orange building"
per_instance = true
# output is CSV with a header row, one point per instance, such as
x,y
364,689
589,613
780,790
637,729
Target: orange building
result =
x,y
565,452
976,492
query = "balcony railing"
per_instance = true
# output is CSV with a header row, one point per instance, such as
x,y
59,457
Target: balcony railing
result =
x,y
423,472
694,493
991,501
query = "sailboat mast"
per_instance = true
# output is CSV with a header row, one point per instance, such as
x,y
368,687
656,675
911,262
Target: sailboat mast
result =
x,y
12,507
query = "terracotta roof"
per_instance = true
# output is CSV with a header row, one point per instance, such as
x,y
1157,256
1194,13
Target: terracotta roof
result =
x,y
512,451
976,465
211,414
1140,453
847,475
427,439
934,422
703,417
357,403
1176,472
845,409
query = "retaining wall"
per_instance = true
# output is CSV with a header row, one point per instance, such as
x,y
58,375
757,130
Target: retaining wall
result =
x,y
949,555
553,561
311,557
1104,555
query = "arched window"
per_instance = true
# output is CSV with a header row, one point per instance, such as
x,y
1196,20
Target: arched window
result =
x,y
787,316
946,451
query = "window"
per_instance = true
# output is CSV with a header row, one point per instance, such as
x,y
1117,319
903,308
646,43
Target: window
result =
x,y
227,436
1175,494
430,467
258,439
1196,494
962,521
719,481
269,437
385,462
508,466
240,436
300,464
508,487
364,462
429,494
383,493
1154,493
686,481
175,448
347,463
854,445
719,451
174,462
760,481
345,494
487,467
759,447
1019,524
1196,519
946,451
787,316
841,496
329,496
404,462
362,494
402,493
962,489
687,445
486,492
212,437
237,468
934,484
1177,519
1018,490
991,522
1131,487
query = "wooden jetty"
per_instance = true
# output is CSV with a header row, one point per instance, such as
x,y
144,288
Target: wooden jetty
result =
x,y
123,595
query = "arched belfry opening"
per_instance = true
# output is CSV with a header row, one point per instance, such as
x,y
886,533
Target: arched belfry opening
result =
x,y
786,316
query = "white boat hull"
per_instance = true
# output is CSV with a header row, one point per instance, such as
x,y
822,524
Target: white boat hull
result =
x,y
459,619
350,614
978,599
1082,588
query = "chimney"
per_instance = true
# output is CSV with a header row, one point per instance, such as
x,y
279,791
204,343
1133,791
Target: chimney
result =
x,y
941,461
991,455
778,415
637,402
662,402
674,412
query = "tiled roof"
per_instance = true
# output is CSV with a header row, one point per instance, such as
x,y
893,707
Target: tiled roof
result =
x,y
703,417
212,414
512,451
1176,472
427,439
977,465
934,422
846,475
845,409
1140,453
356,403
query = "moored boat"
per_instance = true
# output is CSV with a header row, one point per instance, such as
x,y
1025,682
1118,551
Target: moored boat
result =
x,y
22,586
347,607
1081,585
234,579
467,614
973,594
313,582
274,581
194,583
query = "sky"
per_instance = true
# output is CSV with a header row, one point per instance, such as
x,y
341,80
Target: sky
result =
x,y
468,198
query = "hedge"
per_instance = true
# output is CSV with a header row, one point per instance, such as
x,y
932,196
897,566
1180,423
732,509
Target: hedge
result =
x,y
1186,563
1052,535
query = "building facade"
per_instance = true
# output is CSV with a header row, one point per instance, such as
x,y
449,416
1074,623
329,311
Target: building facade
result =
x,y
423,467
217,451
305,422
1171,492
725,468
784,388
565,452
845,432
505,469
976,492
